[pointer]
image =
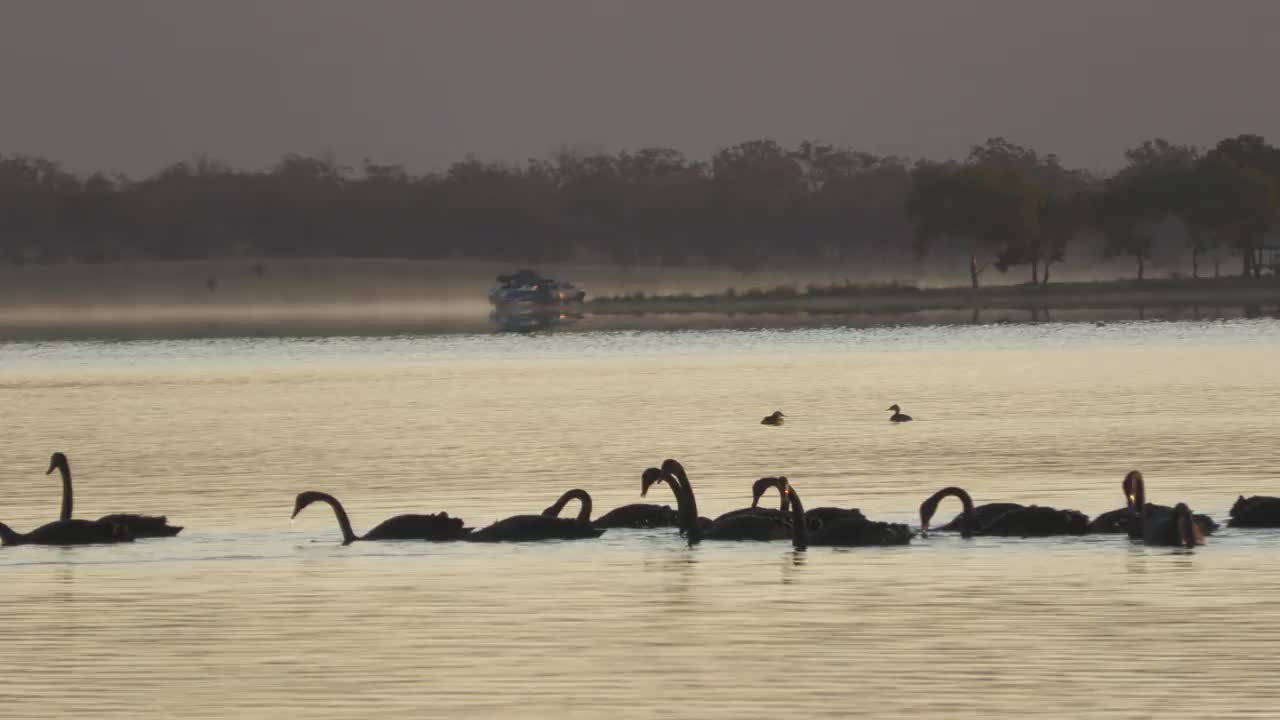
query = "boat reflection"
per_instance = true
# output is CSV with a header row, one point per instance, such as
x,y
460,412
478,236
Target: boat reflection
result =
x,y
532,320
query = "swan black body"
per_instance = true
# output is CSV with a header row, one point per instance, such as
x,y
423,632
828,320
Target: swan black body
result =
x,y
1124,520
740,526
138,526
67,532
439,527
547,526
1258,511
1012,521
639,515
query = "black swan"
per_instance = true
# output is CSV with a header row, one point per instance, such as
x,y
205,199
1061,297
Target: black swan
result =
x,y
826,515
67,532
138,526
437,527
1258,511
1174,527
775,419
898,415
1159,524
1019,521
639,516
980,515
744,526
1124,520
758,489
849,530
531,528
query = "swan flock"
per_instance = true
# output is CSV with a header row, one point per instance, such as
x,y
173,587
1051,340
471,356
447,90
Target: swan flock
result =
x,y
1141,521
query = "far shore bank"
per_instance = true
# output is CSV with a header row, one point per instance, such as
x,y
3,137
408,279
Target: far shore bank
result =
x,y
1218,292
337,297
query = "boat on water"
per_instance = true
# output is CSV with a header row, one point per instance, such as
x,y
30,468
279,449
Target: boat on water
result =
x,y
526,287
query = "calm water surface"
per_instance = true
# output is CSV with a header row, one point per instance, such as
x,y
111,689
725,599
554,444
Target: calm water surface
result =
x,y
248,615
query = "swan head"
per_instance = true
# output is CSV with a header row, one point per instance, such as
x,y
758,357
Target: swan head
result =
x,y
57,461
648,478
303,500
761,486
758,489
672,468
1134,490
927,510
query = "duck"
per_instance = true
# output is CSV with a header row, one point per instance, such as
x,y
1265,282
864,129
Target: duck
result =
x,y
68,532
437,527
1019,521
898,416
846,532
138,526
546,526
741,526
777,418
1256,511
1123,520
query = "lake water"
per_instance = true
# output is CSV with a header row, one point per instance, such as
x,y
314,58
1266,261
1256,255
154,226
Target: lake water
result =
x,y
247,615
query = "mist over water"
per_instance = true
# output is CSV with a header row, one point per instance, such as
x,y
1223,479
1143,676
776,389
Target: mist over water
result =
x,y
246,614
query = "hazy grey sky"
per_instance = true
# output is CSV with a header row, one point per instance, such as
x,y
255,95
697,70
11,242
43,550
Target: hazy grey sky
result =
x,y
131,85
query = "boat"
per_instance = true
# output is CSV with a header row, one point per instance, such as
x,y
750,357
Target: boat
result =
x,y
526,287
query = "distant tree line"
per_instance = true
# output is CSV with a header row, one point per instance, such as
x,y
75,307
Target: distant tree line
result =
x,y
754,203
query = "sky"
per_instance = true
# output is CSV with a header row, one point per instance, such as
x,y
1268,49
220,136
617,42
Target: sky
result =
x,y
133,85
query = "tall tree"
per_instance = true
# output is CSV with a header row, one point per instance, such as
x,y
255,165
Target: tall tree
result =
x,y
986,209
1059,215
1232,204
1252,152
1061,220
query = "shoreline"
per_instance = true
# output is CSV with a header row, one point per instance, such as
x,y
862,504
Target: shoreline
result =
x,y
316,298
1223,292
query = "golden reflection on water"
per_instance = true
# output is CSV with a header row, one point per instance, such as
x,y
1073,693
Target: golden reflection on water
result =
x,y
247,615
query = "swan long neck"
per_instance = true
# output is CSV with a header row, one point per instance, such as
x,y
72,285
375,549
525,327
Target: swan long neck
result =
x,y
784,497
799,529
1139,493
582,496
64,469
344,522
688,505
1135,494
931,505
1186,526
763,484
8,536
